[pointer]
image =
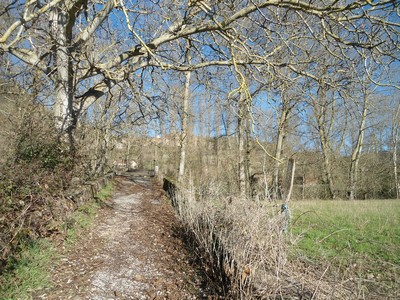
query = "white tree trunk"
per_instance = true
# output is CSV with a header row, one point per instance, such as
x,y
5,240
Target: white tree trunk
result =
x,y
59,21
184,120
289,179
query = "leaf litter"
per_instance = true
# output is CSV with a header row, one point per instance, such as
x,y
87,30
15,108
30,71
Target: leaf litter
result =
x,y
130,252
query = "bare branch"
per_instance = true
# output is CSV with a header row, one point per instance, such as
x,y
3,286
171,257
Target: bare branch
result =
x,y
26,19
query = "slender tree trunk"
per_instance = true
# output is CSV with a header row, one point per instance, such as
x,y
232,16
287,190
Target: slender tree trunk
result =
x,y
218,134
291,168
396,176
282,124
241,123
248,166
320,106
326,153
97,149
229,162
267,194
244,107
395,141
356,153
184,120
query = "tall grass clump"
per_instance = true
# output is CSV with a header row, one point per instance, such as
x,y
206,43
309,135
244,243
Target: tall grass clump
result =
x,y
244,248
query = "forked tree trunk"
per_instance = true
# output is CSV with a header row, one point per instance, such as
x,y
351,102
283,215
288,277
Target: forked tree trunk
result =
x,y
326,153
320,109
282,125
356,153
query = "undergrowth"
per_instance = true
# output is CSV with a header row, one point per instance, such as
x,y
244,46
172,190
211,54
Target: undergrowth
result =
x,y
241,244
106,192
28,269
245,249
80,220
85,214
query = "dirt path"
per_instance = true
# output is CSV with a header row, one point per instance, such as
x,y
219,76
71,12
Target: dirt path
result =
x,y
130,252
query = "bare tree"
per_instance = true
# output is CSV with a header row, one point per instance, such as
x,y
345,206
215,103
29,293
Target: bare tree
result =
x,y
89,47
324,110
358,145
287,100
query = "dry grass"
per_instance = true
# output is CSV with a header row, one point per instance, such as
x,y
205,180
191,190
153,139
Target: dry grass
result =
x,y
246,251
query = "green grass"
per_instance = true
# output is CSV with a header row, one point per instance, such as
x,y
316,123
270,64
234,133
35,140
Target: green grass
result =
x,y
106,192
80,220
85,214
360,234
28,271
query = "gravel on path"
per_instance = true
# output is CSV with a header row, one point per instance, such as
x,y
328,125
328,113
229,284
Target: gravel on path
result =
x,y
130,252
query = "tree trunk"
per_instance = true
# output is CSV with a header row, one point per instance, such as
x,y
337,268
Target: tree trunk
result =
x,y
395,141
356,153
59,21
64,75
396,176
248,166
241,123
291,169
326,153
218,134
282,124
320,106
184,120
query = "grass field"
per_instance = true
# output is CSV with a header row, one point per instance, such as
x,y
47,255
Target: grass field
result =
x,y
359,238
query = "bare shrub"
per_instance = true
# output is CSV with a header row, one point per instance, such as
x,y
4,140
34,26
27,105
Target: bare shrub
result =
x,y
244,249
